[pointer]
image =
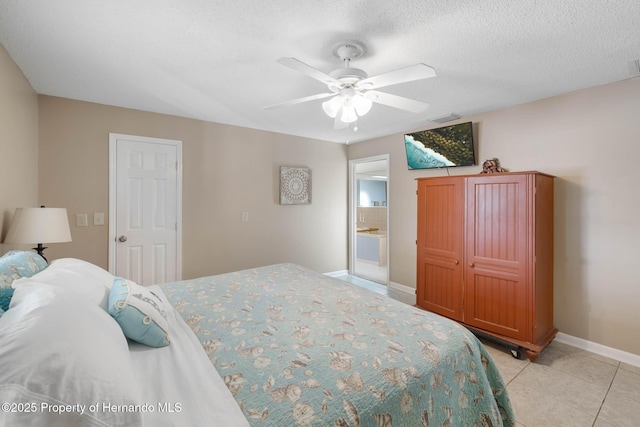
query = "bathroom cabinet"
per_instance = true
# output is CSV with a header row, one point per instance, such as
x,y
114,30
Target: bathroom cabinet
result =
x,y
372,247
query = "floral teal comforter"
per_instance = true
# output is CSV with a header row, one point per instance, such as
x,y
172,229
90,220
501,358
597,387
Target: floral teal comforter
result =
x,y
297,348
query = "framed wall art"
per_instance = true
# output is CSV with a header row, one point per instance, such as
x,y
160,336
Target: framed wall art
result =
x,y
295,186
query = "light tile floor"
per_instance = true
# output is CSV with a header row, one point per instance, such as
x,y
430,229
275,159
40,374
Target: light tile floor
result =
x,y
565,387
371,270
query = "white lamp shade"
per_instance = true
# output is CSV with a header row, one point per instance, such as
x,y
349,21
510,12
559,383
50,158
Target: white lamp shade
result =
x,y
39,225
332,106
348,113
362,104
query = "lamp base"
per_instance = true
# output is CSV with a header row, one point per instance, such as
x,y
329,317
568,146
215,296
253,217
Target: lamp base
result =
x,y
40,249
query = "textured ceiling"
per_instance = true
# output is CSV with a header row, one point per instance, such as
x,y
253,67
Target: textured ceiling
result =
x,y
216,60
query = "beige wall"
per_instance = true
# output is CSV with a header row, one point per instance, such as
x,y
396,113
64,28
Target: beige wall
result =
x,y
18,144
227,170
591,141
588,139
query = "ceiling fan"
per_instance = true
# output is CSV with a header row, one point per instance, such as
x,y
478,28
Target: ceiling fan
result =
x,y
352,91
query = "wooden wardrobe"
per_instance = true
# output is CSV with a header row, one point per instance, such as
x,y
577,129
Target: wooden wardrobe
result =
x,y
485,255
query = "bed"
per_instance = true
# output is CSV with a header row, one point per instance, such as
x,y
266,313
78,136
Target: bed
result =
x,y
278,345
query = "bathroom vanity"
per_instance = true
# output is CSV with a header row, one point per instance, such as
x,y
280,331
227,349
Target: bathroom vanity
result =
x,y
371,246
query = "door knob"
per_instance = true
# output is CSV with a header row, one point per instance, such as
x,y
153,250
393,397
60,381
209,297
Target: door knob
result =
x,y
472,264
456,262
122,238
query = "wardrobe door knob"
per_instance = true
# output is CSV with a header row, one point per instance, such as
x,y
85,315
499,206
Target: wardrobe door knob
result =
x,y
456,262
472,264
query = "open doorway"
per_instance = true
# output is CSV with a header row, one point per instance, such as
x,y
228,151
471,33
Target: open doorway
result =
x,y
369,218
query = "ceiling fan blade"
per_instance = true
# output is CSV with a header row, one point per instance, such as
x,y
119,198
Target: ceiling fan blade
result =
x,y
396,101
308,70
299,100
403,75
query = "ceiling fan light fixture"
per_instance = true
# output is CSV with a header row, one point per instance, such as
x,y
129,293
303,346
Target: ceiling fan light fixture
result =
x,y
348,107
348,113
332,106
362,104
352,91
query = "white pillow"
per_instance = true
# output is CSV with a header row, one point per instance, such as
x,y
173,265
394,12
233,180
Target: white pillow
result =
x,y
58,350
75,277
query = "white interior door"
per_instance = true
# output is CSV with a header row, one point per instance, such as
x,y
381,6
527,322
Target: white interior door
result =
x,y
145,209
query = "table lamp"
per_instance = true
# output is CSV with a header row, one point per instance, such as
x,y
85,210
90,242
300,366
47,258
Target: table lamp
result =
x,y
38,226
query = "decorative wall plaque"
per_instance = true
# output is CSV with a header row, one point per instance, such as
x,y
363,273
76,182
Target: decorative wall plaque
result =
x,y
295,186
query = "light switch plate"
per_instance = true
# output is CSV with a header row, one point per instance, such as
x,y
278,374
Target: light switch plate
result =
x,y
82,220
98,218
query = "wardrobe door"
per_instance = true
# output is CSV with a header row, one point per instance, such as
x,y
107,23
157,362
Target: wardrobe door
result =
x,y
440,242
496,288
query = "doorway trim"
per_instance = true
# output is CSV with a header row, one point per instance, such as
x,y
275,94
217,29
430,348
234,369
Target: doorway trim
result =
x,y
113,138
353,209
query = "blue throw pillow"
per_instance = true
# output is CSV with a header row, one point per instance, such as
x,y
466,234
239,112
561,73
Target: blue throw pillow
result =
x,y
15,265
139,312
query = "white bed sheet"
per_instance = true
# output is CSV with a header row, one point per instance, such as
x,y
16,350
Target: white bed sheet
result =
x,y
179,383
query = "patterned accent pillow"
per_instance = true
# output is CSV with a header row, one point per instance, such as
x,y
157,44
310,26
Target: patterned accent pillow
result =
x,y
139,312
14,265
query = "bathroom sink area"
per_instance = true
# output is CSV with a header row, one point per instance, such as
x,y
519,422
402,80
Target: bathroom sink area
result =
x,y
376,233
366,230
372,246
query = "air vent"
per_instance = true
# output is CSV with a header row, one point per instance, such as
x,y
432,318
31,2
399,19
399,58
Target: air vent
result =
x,y
634,67
444,119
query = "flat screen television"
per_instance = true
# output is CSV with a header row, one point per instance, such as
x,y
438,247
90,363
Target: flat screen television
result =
x,y
441,147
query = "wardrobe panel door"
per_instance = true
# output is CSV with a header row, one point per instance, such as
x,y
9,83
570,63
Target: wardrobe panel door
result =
x,y
496,288
439,263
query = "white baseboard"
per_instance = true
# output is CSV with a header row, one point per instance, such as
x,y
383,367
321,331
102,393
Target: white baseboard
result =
x,y
337,273
602,350
402,288
402,293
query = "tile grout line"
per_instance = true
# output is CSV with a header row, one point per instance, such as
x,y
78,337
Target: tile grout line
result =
x,y
577,407
507,387
518,374
585,380
605,395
